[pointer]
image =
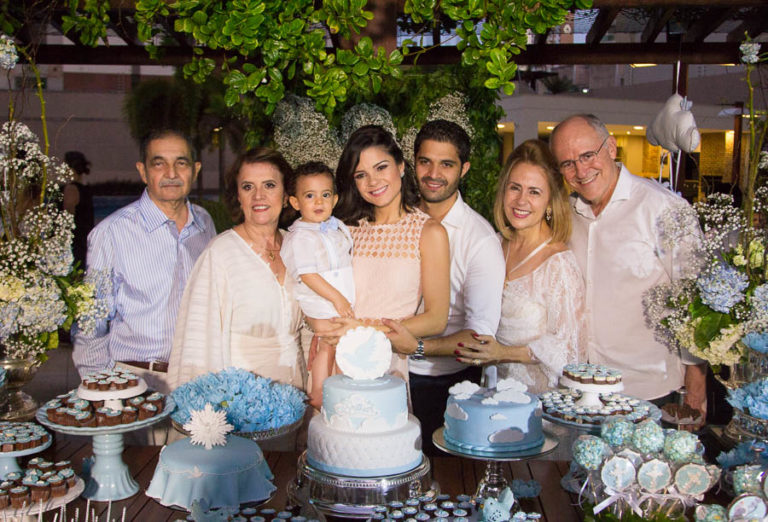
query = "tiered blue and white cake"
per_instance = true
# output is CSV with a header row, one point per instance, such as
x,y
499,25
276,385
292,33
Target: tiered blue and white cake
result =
x,y
503,418
364,429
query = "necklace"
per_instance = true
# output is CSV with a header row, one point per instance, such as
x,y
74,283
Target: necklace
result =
x,y
268,252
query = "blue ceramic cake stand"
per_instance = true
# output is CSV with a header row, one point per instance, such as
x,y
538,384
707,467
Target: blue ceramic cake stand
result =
x,y
8,458
494,481
109,477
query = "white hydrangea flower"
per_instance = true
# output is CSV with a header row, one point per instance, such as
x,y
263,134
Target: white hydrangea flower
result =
x,y
750,52
8,54
763,164
208,427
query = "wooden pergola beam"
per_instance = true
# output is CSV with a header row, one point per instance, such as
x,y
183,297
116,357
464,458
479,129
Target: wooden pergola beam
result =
x,y
656,23
602,23
702,28
566,54
755,23
626,4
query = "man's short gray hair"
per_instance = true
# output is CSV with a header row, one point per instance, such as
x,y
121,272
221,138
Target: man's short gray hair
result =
x,y
590,119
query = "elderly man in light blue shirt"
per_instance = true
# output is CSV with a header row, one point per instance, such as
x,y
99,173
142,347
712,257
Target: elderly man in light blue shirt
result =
x,y
147,249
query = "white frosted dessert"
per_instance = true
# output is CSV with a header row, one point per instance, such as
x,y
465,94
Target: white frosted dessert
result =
x,y
364,429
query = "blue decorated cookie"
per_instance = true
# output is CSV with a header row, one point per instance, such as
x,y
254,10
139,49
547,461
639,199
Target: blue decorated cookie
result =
x,y
681,446
618,473
654,475
590,451
648,437
632,455
692,479
617,431
748,479
747,507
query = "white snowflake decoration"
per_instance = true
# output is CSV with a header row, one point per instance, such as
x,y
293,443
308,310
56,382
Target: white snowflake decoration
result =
x,y
208,427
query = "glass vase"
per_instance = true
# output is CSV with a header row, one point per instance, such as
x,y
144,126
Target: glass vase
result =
x,y
18,372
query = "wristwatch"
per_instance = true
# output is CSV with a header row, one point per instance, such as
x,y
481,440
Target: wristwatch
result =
x,y
418,355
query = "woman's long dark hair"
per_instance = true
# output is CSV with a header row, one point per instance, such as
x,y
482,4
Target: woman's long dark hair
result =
x,y
352,207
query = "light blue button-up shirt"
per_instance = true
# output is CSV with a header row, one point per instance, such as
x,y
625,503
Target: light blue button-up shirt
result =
x,y
148,261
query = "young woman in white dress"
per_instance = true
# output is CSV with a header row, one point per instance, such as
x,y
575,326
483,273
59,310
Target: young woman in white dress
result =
x,y
542,315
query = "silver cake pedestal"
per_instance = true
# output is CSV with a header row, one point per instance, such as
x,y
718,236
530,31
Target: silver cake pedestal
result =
x,y
355,497
494,481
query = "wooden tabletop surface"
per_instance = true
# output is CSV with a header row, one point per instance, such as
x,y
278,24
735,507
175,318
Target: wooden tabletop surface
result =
x,y
455,476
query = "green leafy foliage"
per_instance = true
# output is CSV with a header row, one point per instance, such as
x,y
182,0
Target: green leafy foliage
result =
x,y
90,23
272,47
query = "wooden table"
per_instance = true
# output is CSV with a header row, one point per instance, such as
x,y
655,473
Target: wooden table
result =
x,y
455,476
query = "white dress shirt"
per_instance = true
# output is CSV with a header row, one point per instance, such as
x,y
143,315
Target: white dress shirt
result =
x,y
148,261
621,256
477,280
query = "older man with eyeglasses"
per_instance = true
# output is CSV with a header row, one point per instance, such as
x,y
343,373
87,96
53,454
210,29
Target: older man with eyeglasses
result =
x,y
618,243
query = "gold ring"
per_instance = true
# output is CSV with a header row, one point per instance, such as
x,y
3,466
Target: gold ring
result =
x,y
476,362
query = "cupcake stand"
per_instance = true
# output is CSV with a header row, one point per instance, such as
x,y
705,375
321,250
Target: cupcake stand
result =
x,y
356,497
8,458
590,397
494,482
8,464
109,477
30,513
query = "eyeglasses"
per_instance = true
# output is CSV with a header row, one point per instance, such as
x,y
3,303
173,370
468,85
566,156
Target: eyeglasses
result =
x,y
569,166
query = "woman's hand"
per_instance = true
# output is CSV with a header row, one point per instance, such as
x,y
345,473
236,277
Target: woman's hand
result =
x,y
341,326
403,341
486,350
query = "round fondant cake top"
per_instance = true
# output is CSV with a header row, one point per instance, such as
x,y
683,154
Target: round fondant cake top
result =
x,y
364,353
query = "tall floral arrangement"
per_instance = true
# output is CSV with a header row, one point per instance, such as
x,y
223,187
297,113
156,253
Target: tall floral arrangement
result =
x,y
40,290
720,312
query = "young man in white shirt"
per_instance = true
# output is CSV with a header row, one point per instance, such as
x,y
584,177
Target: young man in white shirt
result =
x,y
617,243
477,275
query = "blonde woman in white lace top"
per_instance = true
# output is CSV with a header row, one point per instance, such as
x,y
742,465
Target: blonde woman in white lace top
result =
x,y
542,316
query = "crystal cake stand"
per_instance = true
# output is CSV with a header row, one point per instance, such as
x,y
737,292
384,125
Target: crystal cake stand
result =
x,y
355,497
494,482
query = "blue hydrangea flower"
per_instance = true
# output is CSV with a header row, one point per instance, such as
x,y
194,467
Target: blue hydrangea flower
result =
x,y
722,287
757,341
749,452
251,403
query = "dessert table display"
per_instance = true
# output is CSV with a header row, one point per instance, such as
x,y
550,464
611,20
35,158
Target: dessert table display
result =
x,y
108,477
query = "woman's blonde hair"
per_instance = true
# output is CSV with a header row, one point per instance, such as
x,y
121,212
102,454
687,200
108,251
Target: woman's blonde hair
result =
x,y
537,153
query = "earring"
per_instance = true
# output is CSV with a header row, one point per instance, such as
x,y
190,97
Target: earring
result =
x,y
402,174
548,215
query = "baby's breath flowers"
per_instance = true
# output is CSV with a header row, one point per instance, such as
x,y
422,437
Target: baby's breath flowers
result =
x,y
303,134
40,290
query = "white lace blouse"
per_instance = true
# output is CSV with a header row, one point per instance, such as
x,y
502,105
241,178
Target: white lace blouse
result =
x,y
544,310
